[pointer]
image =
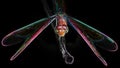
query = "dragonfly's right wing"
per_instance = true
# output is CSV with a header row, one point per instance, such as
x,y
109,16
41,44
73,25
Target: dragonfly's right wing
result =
x,y
93,38
27,33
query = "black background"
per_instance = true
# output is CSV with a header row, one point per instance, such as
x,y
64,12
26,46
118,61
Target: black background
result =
x,y
103,15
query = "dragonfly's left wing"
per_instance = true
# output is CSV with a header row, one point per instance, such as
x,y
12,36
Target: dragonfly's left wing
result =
x,y
27,33
93,37
23,33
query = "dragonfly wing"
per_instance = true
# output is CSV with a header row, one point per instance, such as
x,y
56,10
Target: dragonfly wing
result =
x,y
95,36
22,33
33,30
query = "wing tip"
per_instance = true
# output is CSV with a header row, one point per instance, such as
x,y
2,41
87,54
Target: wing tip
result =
x,y
2,42
105,63
11,59
116,47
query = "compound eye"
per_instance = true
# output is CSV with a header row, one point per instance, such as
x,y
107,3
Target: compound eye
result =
x,y
59,27
64,27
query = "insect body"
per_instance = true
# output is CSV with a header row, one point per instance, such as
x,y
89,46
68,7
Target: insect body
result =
x,y
61,27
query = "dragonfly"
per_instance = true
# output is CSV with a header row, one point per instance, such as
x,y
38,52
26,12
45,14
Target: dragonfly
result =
x,y
60,22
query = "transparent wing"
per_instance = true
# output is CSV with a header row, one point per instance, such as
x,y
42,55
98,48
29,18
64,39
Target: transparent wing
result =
x,y
30,32
93,38
22,33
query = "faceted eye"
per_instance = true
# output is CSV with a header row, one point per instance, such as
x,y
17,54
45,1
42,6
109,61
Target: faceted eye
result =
x,y
64,27
59,27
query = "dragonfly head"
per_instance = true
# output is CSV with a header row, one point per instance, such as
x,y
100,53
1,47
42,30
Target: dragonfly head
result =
x,y
61,27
